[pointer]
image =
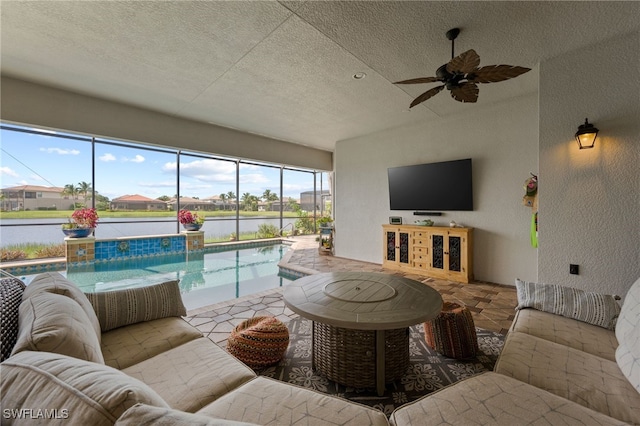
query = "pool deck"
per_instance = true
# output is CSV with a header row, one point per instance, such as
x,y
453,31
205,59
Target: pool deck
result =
x,y
492,305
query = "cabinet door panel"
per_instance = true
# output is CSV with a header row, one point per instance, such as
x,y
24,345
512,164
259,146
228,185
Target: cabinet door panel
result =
x,y
437,251
455,253
391,246
404,247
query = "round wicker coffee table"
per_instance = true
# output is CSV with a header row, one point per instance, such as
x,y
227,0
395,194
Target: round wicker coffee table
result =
x,y
361,320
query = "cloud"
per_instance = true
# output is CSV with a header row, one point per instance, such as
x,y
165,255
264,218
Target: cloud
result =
x,y
168,184
107,157
249,178
137,159
205,170
298,187
60,151
8,172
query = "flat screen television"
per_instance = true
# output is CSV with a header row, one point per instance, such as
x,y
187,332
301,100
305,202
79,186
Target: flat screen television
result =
x,y
434,186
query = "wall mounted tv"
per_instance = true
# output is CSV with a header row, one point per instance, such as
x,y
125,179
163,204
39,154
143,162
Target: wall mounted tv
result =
x,y
434,186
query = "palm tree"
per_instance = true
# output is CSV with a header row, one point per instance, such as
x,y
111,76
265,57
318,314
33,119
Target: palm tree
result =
x,y
253,200
246,201
70,190
224,197
84,189
231,196
269,197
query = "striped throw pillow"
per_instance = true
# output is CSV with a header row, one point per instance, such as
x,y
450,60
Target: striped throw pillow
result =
x,y
593,308
129,306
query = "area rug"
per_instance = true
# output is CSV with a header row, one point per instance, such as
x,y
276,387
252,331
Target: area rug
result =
x,y
428,371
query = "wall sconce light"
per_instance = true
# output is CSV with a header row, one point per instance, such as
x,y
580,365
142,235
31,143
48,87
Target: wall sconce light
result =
x,y
586,135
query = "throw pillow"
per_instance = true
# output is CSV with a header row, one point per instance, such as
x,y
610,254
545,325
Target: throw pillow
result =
x,y
75,391
593,308
11,290
54,282
129,306
628,335
52,322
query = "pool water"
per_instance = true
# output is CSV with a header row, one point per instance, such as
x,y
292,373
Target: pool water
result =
x,y
205,277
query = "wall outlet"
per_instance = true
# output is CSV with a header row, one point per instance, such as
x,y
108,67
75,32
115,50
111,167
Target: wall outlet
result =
x,y
574,269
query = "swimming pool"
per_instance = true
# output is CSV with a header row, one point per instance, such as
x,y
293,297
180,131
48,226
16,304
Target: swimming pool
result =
x,y
206,277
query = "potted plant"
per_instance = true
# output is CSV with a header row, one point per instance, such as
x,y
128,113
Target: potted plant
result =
x,y
190,221
233,237
81,224
325,222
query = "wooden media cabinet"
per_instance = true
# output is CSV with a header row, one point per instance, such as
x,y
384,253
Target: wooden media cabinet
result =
x,y
440,252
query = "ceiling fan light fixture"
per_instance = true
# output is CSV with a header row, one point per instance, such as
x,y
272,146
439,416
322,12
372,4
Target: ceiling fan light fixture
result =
x,y
461,75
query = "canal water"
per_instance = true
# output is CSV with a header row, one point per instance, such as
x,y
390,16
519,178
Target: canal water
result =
x,y
47,231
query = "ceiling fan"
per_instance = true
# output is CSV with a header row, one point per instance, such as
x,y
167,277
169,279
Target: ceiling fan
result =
x,y
462,73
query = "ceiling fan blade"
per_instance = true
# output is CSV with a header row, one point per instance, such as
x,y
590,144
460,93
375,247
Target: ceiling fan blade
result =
x,y
418,80
495,73
464,63
465,92
426,95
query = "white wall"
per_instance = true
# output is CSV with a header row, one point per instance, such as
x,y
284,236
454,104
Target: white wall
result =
x,y
502,140
590,199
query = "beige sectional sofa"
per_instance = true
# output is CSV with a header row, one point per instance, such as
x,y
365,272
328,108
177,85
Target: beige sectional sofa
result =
x,y
128,358
554,369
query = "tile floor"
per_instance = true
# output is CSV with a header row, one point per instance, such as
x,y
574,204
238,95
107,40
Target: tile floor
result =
x,y
492,305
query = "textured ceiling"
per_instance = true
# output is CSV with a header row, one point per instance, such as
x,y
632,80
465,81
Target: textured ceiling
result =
x,y
284,69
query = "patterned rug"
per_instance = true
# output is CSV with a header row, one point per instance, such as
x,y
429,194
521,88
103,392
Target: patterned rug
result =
x,y
428,371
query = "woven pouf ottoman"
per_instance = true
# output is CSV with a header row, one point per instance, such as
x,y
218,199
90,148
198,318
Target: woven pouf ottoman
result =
x,y
259,341
452,333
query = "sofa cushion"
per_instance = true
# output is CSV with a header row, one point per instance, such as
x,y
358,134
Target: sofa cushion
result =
x,y
581,377
11,290
148,415
267,401
566,331
51,322
89,393
134,343
129,306
53,282
192,375
628,334
493,399
593,308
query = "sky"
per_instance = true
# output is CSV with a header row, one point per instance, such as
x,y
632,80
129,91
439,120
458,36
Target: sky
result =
x,y
49,160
